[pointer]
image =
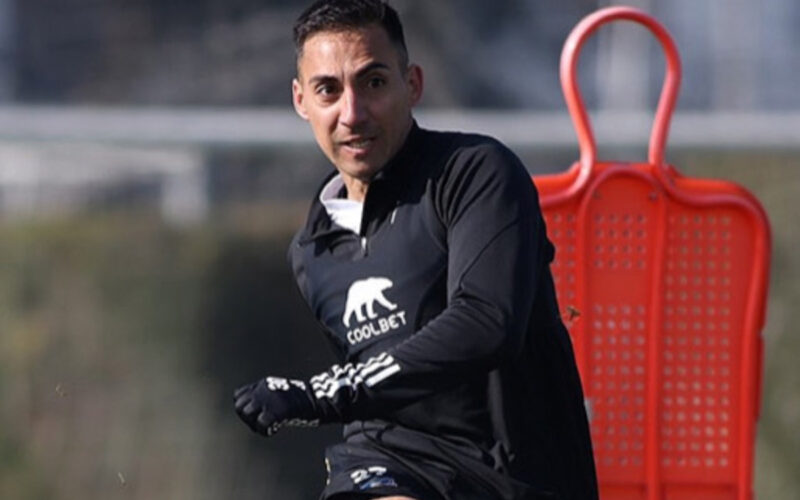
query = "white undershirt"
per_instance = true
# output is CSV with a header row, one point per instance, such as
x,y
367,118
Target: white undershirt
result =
x,y
342,211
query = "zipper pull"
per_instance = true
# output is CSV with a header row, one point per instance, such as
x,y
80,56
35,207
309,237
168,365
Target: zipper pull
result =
x,y
364,244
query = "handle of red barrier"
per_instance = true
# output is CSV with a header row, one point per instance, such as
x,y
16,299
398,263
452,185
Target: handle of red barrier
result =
x,y
575,104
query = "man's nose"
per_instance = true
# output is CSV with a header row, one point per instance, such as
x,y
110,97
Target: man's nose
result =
x,y
354,109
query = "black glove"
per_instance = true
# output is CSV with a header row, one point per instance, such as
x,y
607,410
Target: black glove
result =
x,y
273,402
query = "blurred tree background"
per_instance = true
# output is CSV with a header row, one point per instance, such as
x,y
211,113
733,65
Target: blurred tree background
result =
x,y
141,280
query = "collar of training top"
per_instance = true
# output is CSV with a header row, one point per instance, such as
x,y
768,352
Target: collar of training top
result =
x,y
393,176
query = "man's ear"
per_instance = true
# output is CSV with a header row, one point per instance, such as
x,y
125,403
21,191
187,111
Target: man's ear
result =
x,y
415,81
297,99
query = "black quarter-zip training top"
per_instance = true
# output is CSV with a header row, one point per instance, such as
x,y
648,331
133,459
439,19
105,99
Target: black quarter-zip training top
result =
x,y
444,314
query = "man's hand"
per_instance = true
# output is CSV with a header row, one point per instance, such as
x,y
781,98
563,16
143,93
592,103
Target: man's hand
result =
x,y
273,402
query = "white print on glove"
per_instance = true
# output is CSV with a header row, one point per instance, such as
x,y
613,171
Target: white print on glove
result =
x,y
282,384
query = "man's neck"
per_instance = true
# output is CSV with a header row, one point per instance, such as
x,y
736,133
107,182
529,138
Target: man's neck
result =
x,y
356,188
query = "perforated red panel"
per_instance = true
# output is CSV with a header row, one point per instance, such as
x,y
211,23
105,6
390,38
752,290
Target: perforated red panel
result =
x,y
705,296
655,293
620,214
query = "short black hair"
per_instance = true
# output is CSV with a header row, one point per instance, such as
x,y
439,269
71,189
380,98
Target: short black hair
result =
x,y
346,15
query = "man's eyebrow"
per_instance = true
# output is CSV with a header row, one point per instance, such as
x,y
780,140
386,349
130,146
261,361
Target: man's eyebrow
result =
x,y
363,71
321,78
371,67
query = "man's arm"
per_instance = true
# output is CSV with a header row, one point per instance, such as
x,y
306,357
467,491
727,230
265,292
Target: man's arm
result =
x,y
497,248
496,251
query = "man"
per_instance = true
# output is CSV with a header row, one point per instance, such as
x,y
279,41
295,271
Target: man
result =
x,y
426,261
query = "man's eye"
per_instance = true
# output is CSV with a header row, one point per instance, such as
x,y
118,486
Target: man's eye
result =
x,y
376,82
326,90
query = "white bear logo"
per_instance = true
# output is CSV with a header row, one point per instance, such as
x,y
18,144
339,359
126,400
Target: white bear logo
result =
x,y
362,295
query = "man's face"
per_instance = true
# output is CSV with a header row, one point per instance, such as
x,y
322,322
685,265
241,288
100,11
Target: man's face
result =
x,y
351,89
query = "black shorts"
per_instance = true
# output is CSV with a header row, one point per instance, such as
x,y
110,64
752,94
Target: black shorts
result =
x,y
405,463
381,460
361,471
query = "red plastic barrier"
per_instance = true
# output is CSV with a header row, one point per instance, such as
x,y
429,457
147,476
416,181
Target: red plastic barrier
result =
x,y
663,282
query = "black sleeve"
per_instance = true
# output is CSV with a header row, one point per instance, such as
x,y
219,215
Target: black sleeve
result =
x,y
497,248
